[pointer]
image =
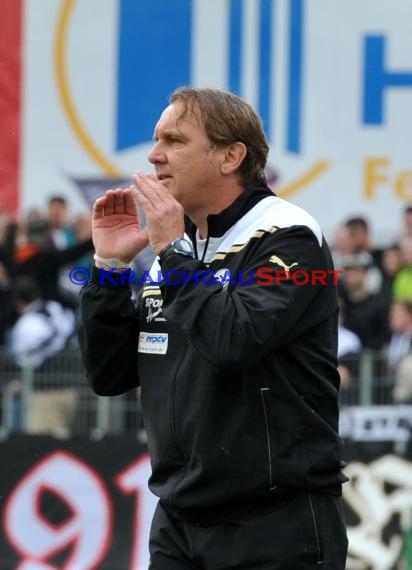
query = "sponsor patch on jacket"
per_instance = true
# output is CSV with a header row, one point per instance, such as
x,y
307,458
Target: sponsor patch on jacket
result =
x,y
153,343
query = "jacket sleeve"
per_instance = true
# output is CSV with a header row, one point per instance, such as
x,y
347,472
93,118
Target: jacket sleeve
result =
x,y
108,335
51,259
239,324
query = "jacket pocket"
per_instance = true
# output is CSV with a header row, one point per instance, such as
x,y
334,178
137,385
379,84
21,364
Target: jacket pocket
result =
x,y
265,395
314,513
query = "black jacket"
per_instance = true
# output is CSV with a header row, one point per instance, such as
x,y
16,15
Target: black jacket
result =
x,y
239,382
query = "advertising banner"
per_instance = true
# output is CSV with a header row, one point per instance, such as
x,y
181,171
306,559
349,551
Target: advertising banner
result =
x,y
80,504
331,80
74,505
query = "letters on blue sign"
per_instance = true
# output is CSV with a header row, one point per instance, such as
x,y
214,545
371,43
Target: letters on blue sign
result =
x,y
377,79
154,57
295,75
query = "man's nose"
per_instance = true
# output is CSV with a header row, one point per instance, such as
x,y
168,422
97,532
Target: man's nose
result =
x,y
156,155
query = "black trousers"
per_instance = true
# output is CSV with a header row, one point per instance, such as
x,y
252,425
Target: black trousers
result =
x,y
305,531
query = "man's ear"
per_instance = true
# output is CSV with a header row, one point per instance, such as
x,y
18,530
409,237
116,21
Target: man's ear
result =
x,y
233,157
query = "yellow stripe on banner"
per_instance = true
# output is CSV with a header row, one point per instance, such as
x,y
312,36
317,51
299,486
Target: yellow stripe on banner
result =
x,y
304,180
60,69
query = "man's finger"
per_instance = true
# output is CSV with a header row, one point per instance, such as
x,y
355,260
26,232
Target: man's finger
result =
x,y
144,193
144,202
119,201
98,208
109,205
154,190
129,201
150,186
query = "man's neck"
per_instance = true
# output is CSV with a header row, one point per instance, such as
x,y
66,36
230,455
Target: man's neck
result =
x,y
224,198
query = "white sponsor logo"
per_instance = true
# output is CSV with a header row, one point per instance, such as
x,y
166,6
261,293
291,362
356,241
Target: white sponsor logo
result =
x,y
224,277
154,309
153,343
222,274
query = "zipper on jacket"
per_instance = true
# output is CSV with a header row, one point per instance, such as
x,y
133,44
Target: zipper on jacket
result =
x,y
264,392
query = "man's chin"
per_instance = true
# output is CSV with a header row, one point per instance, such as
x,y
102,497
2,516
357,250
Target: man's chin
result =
x,y
171,186
167,183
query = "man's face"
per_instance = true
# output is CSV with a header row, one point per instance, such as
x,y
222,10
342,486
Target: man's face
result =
x,y
183,158
57,216
406,249
408,223
400,319
354,278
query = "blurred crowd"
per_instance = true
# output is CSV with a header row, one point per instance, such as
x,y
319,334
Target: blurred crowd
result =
x,y
38,305
38,310
38,301
375,300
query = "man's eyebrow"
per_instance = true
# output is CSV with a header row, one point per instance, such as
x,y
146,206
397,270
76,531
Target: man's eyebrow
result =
x,y
168,134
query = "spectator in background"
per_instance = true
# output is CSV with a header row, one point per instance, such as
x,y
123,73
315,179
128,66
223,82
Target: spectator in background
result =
x,y
407,220
400,322
361,241
400,350
342,246
65,235
61,233
402,285
349,347
8,232
42,330
8,313
348,343
43,327
364,313
37,256
402,392
391,265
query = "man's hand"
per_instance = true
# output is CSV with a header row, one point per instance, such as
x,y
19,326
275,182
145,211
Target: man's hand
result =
x,y
115,225
164,214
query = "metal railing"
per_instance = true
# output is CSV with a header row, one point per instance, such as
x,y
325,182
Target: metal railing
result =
x,y
57,400
369,382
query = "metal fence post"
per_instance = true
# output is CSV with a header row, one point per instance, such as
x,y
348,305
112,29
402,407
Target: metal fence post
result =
x,y
7,406
102,417
366,378
27,374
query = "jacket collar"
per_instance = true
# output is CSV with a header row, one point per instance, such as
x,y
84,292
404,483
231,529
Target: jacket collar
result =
x,y
219,224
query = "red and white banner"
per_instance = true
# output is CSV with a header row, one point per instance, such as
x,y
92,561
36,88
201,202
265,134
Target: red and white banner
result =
x,y
85,505
78,506
10,102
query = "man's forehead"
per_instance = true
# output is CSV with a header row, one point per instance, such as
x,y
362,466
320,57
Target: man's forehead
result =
x,y
174,117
